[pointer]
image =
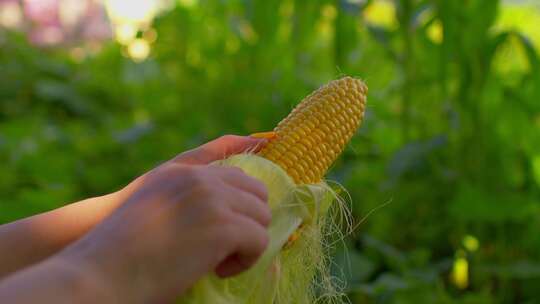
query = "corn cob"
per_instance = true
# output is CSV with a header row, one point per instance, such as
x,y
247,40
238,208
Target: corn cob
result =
x,y
308,141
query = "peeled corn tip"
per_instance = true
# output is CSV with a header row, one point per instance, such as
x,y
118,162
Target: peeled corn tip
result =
x,y
308,141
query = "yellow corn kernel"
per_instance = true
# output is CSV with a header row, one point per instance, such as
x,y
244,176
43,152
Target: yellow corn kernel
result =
x,y
309,140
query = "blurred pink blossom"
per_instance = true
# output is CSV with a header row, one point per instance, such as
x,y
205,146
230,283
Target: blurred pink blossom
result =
x,y
53,22
42,12
96,26
46,35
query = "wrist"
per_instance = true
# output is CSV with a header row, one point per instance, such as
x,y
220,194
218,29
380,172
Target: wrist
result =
x,y
106,271
84,281
55,281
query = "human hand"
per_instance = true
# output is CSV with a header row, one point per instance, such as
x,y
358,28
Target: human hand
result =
x,y
181,221
217,149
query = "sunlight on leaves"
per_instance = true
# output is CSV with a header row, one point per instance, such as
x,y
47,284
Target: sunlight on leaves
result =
x,y
536,168
460,271
139,50
381,13
435,32
522,18
470,243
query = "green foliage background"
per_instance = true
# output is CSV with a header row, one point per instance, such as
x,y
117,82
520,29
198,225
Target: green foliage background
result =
x,y
451,138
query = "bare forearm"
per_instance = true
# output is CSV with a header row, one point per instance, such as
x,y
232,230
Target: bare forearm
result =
x,y
54,281
30,240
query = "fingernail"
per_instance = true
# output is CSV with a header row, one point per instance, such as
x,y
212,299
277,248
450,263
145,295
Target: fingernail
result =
x,y
266,135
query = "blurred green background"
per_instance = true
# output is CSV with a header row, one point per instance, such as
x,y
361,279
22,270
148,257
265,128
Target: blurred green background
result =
x,y
451,139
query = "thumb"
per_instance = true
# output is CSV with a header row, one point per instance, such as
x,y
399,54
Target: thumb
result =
x,y
220,148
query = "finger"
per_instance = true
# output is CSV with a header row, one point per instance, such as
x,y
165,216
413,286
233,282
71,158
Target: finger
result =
x,y
237,178
230,267
248,241
249,205
221,148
